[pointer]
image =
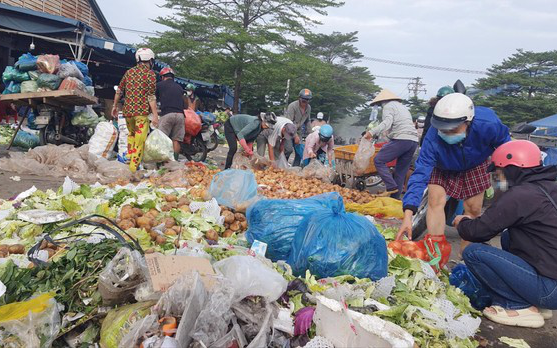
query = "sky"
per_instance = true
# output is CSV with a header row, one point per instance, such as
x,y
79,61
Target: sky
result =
x,y
465,34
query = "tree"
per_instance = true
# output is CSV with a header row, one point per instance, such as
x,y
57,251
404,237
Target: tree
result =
x,y
417,106
241,32
522,88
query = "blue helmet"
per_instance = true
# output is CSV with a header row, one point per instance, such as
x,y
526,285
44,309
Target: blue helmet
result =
x,y
325,132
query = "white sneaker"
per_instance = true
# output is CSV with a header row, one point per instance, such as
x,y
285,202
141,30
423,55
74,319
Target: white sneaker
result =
x,y
546,313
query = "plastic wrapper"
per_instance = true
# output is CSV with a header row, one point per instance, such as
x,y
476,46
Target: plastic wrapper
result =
x,y
121,276
33,323
26,140
34,75
81,66
332,242
69,70
138,329
193,123
85,116
363,156
254,162
49,81
158,148
12,74
71,83
384,207
282,162
48,63
462,278
233,188
26,62
317,170
275,221
12,87
250,277
119,321
103,140
255,319
29,86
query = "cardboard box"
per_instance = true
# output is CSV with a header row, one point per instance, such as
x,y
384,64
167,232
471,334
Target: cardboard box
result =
x,y
165,269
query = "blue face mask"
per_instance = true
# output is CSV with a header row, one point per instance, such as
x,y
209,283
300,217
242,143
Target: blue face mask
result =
x,y
452,139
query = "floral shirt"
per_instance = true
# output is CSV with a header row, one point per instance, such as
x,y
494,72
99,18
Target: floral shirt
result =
x,y
138,85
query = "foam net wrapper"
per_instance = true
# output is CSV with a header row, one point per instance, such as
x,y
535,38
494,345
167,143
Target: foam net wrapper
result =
x,y
319,342
383,287
209,209
462,327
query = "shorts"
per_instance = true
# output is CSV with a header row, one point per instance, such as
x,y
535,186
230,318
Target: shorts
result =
x,y
462,185
173,125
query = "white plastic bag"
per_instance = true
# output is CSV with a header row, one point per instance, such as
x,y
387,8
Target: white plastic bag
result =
x,y
282,162
250,277
122,136
158,148
103,140
363,156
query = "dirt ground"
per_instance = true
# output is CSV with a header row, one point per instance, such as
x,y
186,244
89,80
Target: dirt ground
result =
x,y
545,337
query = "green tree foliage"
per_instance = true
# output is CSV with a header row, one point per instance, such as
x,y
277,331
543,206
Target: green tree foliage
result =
x,y
522,88
417,106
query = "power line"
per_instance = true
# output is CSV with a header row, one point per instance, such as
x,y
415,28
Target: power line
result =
x,y
393,77
423,66
135,31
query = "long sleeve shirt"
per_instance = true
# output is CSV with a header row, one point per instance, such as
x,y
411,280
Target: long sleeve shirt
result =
x,y
294,112
246,126
397,122
313,144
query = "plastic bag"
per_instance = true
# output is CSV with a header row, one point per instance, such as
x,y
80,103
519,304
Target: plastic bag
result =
x,y
158,148
275,221
317,170
433,249
31,120
48,63
26,62
193,123
26,140
119,321
33,323
103,140
12,87
282,162
208,117
12,74
363,156
123,133
90,90
71,83
84,69
49,81
85,116
69,70
87,81
462,278
233,187
331,242
254,162
34,75
29,86
250,277
121,276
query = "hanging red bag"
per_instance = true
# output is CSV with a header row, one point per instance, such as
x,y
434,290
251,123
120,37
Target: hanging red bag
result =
x,y
193,125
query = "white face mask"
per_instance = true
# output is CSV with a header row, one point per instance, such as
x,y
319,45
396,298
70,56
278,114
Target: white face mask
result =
x,y
189,93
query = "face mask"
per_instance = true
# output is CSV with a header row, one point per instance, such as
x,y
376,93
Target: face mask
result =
x,y
189,93
502,185
452,139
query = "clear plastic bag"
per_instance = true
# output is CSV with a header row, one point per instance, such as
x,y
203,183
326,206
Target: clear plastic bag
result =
x,y
32,323
85,116
123,133
233,187
250,277
29,86
119,321
332,242
254,162
49,81
275,221
121,276
362,158
282,162
69,70
158,148
48,63
317,170
103,140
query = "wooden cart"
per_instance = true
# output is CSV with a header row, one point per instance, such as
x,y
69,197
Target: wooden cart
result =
x,y
63,101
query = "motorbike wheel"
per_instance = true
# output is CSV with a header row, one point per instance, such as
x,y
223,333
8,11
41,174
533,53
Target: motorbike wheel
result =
x,y
213,142
360,185
196,151
46,135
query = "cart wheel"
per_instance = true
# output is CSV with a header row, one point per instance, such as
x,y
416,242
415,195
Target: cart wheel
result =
x,y
373,180
337,180
360,184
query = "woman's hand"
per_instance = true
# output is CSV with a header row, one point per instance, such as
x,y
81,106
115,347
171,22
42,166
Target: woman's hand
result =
x,y
115,111
459,218
368,136
406,227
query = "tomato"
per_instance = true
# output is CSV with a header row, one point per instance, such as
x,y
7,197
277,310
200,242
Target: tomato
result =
x,y
421,254
395,246
408,247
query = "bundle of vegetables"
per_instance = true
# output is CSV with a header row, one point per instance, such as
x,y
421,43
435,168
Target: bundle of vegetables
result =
x,y
6,134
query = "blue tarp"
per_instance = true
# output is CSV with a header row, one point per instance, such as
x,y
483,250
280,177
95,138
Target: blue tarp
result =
x,y
29,21
546,126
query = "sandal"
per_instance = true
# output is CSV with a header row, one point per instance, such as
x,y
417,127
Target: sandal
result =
x,y
546,313
525,317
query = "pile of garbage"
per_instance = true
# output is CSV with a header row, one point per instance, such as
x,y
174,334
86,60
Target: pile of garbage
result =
x,y
170,262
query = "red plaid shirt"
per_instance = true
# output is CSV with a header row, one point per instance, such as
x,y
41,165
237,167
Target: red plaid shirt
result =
x,y
138,84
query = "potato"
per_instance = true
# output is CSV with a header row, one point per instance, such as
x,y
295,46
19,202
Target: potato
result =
x,y
235,226
185,208
126,214
154,212
44,244
212,235
149,251
243,225
177,228
173,204
4,249
137,212
160,240
170,232
171,198
183,201
228,217
51,252
227,233
144,222
127,224
153,235
169,222
16,249
239,217
166,207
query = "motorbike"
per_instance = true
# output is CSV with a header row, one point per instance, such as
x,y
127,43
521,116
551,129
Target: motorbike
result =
x,y
200,136
55,127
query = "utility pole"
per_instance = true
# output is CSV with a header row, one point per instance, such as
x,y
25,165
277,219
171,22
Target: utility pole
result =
x,y
415,86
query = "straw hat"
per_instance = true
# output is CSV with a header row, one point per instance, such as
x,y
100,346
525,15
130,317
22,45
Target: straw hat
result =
x,y
385,95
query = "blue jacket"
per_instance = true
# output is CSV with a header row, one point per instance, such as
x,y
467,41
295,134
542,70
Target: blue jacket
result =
x,y
485,134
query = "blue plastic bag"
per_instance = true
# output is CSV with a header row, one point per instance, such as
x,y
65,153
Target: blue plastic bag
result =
x,y
81,66
26,140
332,242
31,117
12,87
275,221
299,149
462,278
87,80
26,62
207,117
234,188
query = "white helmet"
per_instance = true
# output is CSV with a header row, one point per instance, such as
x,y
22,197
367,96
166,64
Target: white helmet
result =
x,y
320,116
452,110
144,55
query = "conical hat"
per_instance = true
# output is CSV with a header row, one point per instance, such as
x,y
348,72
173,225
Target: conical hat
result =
x,y
384,95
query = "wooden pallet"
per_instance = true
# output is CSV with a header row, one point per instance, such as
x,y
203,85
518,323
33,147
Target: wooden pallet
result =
x,y
65,99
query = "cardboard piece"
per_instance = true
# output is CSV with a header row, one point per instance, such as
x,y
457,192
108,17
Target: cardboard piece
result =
x,y
165,269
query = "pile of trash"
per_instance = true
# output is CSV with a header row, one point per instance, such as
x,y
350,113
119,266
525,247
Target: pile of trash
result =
x,y
153,265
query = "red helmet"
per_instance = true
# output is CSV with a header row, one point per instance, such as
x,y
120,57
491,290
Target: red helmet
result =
x,y
167,71
519,153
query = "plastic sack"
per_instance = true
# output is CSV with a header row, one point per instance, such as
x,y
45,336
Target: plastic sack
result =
x,y
69,70
331,242
12,87
233,187
462,278
381,207
119,321
12,74
48,63
26,140
275,221
103,140
34,75
282,162
362,158
250,277
208,117
319,171
90,90
433,249
193,123
87,81
123,133
29,86
254,162
26,62
84,69
33,323
31,117
49,81
85,116
71,83
158,148
121,276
